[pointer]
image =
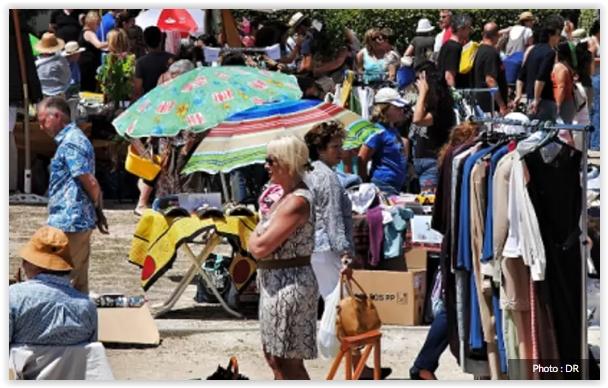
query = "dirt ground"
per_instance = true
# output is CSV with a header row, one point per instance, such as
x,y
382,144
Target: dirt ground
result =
x,y
195,338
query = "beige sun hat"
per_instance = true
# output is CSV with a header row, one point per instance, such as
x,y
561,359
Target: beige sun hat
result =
x,y
296,19
526,16
49,44
579,33
72,48
49,249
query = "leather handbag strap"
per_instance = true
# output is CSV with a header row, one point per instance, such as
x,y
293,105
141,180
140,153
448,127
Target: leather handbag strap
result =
x,y
359,286
347,282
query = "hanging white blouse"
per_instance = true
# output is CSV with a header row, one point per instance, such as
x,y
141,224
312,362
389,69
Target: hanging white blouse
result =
x,y
524,239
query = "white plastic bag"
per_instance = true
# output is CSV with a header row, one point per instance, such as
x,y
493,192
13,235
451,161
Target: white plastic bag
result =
x,y
328,342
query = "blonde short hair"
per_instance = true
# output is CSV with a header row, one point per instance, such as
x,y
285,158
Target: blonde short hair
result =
x,y
92,16
291,152
118,42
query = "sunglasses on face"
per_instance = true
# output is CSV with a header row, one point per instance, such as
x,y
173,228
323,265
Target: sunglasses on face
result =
x,y
380,37
270,160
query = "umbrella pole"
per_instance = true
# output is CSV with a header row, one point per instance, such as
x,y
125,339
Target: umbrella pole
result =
x,y
27,174
231,33
224,187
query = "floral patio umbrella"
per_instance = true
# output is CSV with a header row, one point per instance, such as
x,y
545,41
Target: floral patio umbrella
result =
x,y
241,139
202,98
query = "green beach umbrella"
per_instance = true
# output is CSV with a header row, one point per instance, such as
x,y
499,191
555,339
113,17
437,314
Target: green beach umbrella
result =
x,y
202,98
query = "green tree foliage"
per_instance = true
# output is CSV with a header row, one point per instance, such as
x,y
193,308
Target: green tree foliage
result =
x,y
587,18
401,21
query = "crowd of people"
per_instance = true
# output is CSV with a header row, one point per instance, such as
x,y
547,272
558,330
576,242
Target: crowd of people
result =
x,y
546,70
304,240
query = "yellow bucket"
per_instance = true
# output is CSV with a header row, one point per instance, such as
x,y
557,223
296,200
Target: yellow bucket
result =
x,y
142,167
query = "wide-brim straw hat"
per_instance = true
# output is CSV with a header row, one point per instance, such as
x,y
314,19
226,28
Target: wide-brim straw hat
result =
x,y
49,44
49,249
71,48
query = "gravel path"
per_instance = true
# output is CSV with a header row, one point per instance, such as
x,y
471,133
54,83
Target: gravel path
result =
x,y
196,337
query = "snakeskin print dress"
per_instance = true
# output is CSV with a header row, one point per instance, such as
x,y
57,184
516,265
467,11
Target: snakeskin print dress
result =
x,y
289,296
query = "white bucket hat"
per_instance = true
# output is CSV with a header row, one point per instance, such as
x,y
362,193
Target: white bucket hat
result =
x,y
424,25
71,48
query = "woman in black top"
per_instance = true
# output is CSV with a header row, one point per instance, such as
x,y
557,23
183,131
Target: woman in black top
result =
x,y
90,59
421,47
435,111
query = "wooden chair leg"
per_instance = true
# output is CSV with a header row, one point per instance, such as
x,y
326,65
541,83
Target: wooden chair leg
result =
x,y
348,365
377,370
362,361
335,365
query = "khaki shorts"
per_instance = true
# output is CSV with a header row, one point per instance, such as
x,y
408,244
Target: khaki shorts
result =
x,y
80,248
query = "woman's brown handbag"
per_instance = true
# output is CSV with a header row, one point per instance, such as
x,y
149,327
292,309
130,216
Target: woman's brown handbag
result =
x,y
356,312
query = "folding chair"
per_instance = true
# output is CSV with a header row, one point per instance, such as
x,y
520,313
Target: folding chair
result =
x,y
211,240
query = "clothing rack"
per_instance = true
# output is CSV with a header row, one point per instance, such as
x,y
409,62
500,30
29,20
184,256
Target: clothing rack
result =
x,y
584,246
211,53
469,94
503,121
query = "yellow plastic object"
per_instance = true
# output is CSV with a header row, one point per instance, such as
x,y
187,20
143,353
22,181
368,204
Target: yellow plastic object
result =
x,y
92,97
426,199
467,57
144,168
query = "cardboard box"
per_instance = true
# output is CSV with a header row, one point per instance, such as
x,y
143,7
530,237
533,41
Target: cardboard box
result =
x,y
416,258
398,296
129,325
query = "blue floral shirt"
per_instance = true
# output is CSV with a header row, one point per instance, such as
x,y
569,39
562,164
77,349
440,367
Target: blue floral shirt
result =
x,y
47,310
70,207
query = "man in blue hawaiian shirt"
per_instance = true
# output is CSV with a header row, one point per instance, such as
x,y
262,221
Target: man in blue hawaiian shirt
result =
x,y
75,200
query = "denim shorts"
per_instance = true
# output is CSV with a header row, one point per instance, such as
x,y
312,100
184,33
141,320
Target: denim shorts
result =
x,y
426,169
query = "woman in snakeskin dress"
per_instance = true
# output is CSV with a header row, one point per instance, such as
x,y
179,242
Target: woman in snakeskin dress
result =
x,y
282,243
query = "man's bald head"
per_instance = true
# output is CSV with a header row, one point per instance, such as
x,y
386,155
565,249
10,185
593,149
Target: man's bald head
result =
x,y
490,31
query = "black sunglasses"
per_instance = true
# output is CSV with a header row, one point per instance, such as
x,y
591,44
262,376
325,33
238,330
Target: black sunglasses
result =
x,y
380,37
269,160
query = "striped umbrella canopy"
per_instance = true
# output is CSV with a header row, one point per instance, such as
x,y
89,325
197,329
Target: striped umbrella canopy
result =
x,y
202,98
242,138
